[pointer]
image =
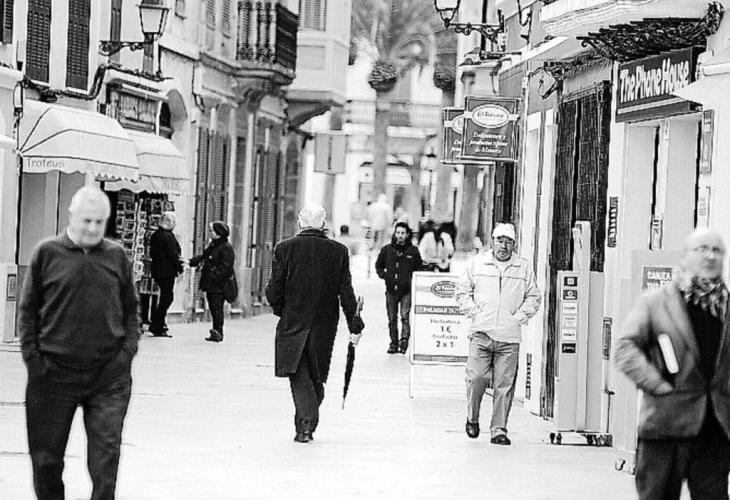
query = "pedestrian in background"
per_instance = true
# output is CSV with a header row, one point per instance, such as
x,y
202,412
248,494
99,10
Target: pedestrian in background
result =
x,y
396,264
436,247
78,323
216,263
310,280
352,244
675,349
499,294
380,216
166,266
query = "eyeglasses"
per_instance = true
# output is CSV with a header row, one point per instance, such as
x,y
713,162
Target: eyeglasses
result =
x,y
706,251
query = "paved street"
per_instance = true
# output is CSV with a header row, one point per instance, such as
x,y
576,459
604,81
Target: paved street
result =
x,y
210,421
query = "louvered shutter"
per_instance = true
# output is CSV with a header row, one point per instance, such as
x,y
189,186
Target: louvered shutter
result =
x,y
77,54
210,13
6,11
201,192
39,39
226,17
115,28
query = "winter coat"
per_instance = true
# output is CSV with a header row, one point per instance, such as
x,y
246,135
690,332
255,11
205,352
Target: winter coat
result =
x,y
165,254
681,412
217,265
396,266
437,252
498,302
310,280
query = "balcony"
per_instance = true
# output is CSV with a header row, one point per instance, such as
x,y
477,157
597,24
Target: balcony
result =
x,y
402,114
267,41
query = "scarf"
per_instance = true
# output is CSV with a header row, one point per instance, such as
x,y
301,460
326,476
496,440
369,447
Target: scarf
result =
x,y
709,294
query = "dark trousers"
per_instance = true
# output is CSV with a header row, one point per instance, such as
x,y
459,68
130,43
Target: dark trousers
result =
x,y
51,399
215,304
308,393
163,304
146,305
662,465
392,302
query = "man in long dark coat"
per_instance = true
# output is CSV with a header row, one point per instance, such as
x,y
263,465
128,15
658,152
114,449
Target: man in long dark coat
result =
x,y
310,279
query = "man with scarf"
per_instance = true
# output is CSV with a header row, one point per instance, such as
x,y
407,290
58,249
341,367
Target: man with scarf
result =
x,y
310,281
396,264
217,267
676,349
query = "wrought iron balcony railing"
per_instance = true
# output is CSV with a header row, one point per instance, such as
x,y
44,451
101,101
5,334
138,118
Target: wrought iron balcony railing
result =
x,y
267,34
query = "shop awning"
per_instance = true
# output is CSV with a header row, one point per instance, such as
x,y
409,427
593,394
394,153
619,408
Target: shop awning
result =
x,y
72,140
161,166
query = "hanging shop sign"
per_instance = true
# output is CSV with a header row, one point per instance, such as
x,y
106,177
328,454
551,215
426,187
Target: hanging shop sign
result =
x,y
453,129
708,130
329,152
132,111
490,129
646,86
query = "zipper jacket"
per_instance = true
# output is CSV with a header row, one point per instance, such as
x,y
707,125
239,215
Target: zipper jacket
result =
x,y
396,265
498,301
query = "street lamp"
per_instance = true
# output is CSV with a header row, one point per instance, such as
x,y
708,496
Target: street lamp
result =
x,y
447,9
152,18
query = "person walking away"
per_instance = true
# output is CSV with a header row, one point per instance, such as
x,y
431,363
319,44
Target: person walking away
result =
x,y
352,244
310,280
396,264
78,324
499,294
216,263
676,349
436,248
166,266
380,215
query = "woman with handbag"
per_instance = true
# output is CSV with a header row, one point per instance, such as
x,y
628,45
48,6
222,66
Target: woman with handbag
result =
x,y
216,274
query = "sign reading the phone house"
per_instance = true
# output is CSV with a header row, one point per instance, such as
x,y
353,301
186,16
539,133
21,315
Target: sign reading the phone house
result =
x,y
490,129
646,86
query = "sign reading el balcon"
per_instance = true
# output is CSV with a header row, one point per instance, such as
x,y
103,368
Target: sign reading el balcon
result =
x,y
453,128
490,129
646,86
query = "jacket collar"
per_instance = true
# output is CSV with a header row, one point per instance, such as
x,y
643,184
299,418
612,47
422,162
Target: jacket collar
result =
x,y
66,241
312,232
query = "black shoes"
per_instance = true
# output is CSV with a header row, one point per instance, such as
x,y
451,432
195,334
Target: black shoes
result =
x,y
392,349
303,437
215,336
403,346
501,439
472,430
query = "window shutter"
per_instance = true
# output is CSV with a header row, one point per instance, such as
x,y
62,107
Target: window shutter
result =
x,y
210,13
201,194
313,14
6,11
226,17
115,29
39,39
77,55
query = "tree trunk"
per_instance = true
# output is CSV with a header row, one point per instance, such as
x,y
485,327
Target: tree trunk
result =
x,y
469,209
412,200
443,206
380,143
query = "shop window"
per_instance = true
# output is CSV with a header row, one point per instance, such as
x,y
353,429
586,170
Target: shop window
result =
x,y
6,20
313,15
77,54
115,28
39,39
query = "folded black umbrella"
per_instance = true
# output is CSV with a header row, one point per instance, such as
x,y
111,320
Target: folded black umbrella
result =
x,y
350,364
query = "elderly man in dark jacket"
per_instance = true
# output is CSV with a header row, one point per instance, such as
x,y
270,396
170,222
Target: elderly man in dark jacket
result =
x,y
396,264
676,348
310,279
166,265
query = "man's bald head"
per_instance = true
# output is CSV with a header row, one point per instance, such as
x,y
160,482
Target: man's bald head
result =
x,y
704,254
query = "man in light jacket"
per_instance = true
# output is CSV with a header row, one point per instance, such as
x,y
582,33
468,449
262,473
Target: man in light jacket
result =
x,y
676,349
499,293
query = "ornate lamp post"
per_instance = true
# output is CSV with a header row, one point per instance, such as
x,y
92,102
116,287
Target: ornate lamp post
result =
x,y
152,18
447,9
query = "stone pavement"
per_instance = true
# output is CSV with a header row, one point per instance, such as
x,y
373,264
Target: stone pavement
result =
x,y
210,421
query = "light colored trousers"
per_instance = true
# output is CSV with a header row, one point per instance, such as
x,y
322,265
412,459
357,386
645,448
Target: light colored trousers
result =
x,y
491,364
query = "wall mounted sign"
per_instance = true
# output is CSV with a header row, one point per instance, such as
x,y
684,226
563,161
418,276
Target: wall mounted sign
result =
x,y
132,111
606,338
453,128
653,277
490,129
646,86
708,130
612,230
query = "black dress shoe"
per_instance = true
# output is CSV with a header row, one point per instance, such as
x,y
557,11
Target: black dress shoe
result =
x,y
161,334
501,439
472,430
392,349
303,437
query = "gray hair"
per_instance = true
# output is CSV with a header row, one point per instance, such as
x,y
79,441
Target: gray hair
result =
x,y
92,195
168,218
312,215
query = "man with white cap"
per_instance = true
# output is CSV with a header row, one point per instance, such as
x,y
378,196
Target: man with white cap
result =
x,y
499,294
310,281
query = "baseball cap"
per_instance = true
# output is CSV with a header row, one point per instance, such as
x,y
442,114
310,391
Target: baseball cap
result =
x,y
504,229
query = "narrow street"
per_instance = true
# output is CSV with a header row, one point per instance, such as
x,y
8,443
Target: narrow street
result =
x,y
210,421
